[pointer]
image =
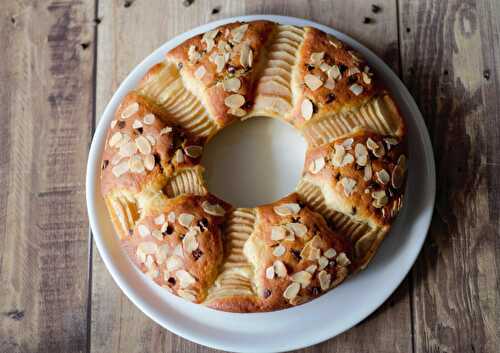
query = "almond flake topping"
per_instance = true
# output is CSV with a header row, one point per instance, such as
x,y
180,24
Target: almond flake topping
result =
x,y
330,253
130,110
361,154
136,164
322,262
193,55
270,272
278,233
348,159
143,230
287,209
185,219
368,172
356,89
174,263
279,268
324,67
160,219
330,83
151,139
391,141
313,82
113,124
237,112
234,101
149,162
137,124
208,38
342,259
231,84
291,291
193,151
120,169
179,156
348,143
238,33
245,52
317,165
311,269
334,72
200,72
353,71
149,119
383,177
302,277
165,130
171,217
189,241
379,152
366,78
148,247
149,262
372,145
128,149
316,58
161,253
213,209
115,138
307,109
298,229
324,280
279,250
348,184
220,61
185,278
338,155
143,145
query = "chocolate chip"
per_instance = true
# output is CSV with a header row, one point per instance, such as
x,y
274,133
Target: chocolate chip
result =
x,y
332,264
337,176
197,254
296,254
169,230
353,210
342,68
309,67
179,66
157,158
171,281
121,124
139,130
330,97
267,293
105,163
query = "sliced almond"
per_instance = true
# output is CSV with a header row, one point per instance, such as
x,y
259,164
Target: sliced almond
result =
x,y
348,159
185,278
130,110
313,82
324,67
287,209
279,268
299,229
148,247
120,169
366,78
165,130
189,241
367,172
356,89
244,53
322,262
330,253
237,112
234,101
128,149
291,291
334,72
330,83
361,154
278,233
162,253
317,165
115,138
213,209
348,185
149,162
231,84
338,155
149,119
270,272
193,151
171,217
220,62
342,259
383,177
113,124
136,164
306,109
185,219
200,72
179,156
302,277
173,263
143,230
324,280
353,71
143,145
372,145
137,124
317,58
150,262
279,250
311,269
193,55
238,33
160,219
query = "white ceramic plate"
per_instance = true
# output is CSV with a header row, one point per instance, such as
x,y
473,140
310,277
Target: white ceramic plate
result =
x,y
305,325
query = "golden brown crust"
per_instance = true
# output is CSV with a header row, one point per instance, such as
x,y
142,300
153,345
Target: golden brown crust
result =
x,y
277,255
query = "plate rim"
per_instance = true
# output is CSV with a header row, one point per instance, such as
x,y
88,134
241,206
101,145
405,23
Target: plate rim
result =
x,y
98,140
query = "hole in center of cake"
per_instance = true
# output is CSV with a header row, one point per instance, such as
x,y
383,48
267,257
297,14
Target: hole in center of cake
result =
x,y
254,162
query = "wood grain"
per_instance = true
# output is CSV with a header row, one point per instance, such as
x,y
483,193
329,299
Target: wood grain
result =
x,y
125,36
46,98
451,63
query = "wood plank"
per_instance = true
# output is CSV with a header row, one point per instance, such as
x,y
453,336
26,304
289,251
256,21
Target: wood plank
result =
x,y
126,35
452,67
46,98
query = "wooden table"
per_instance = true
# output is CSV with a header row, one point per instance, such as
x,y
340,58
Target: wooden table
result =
x,y
62,60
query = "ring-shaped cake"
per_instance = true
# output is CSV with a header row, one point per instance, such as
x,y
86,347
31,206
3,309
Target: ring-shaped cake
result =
x,y
273,256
